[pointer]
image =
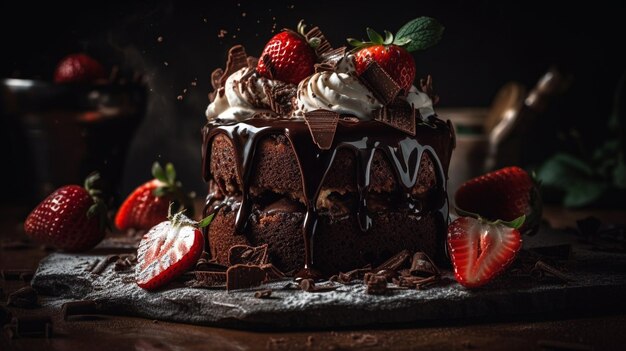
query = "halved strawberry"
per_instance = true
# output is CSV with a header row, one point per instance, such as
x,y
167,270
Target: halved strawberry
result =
x,y
481,250
169,249
504,194
147,205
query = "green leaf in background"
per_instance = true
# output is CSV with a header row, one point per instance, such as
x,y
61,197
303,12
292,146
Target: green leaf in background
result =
x,y
423,33
574,177
158,172
170,172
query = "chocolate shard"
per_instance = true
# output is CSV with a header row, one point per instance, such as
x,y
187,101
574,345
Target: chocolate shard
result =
x,y
281,97
399,114
263,294
78,308
216,77
208,265
237,59
30,326
243,276
423,266
385,89
333,56
322,125
394,263
249,255
354,274
324,46
309,285
376,284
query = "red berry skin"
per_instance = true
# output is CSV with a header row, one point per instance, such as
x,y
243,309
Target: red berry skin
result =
x,y
61,221
78,68
395,60
287,57
143,210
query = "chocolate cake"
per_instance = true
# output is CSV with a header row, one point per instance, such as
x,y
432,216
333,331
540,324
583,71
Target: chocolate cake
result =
x,y
334,173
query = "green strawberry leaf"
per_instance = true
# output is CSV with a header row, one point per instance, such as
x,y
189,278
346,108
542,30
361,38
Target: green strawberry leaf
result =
x,y
423,33
170,173
355,42
374,36
160,191
158,172
388,38
401,41
515,224
206,220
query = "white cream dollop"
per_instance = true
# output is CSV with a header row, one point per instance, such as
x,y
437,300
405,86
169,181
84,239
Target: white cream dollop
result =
x,y
339,91
420,101
241,97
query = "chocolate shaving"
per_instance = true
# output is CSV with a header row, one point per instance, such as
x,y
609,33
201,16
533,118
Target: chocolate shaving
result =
x,y
322,125
242,276
92,265
237,59
423,266
30,326
333,56
426,86
102,265
376,284
25,297
281,97
389,274
541,268
399,115
263,294
309,285
125,262
354,274
395,262
216,77
78,308
385,89
324,46
249,255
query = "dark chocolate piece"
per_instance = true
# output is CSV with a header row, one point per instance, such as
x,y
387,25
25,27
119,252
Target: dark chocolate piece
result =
x,y
206,279
281,97
376,284
125,262
399,115
333,56
244,254
271,272
396,262
309,285
90,267
242,276
237,59
263,294
30,326
25,297
354,274
78,308
385,89
423,266
324,46
102,265
541,269
322,125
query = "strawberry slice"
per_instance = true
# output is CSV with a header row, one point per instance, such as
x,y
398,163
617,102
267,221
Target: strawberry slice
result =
x,y
169,249
481,250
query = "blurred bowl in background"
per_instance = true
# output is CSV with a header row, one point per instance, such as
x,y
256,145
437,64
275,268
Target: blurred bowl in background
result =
x,y
472,144
57,134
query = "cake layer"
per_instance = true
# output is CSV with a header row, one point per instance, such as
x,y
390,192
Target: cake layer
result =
x,y
339,245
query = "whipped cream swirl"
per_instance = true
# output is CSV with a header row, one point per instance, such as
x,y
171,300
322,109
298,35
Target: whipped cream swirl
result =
x,y
243,95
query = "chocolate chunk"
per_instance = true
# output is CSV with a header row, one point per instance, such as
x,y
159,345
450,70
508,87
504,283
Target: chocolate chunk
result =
x,y
423,266
125,262
77,308
354,274
380,83
205,279
309,285
324,46
333,56
324,67
389,274
399,115
376,284
25,297
281,97
244,254
263,294
396,262
242,276
322,125
237,59
102,265
209,265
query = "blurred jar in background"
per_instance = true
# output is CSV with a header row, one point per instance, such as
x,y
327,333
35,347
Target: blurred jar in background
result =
x,y
57,134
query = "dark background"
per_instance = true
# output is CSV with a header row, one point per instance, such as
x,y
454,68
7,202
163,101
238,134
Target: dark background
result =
x,y
485,44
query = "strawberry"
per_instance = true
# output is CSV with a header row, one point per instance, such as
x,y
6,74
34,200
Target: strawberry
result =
x,y
147,205
72,218
392,53
288,56
169,249
505,194
480,250
78,68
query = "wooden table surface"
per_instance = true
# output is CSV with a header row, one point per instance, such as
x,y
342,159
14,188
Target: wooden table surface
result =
x,y
562,332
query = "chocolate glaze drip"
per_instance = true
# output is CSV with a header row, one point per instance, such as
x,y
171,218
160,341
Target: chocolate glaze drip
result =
x,y
363,138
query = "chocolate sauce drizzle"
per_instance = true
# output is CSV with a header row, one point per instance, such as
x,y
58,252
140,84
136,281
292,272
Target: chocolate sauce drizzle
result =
x,y
363,138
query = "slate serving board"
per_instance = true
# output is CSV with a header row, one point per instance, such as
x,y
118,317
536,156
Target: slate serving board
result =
x,y
600,284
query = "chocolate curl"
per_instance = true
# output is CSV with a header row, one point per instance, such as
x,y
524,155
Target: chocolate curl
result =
x,y
280,97
263,294
395,262
237,59
322,125
399,115
244,254
324,46
426,86
385,89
